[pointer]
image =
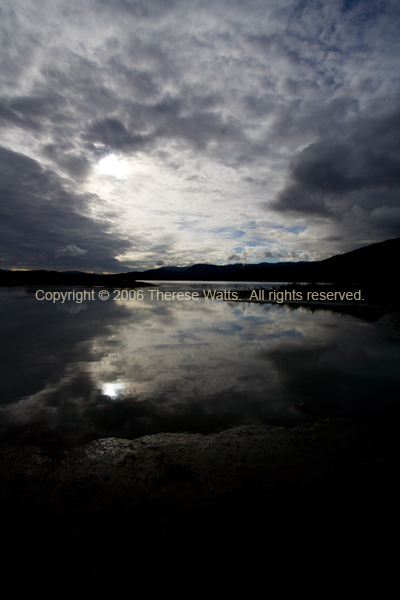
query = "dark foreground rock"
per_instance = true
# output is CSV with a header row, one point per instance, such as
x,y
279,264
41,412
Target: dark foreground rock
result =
x,y
247,499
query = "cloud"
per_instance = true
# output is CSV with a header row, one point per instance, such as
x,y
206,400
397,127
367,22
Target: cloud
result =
x,y
76,166
223,113
287,255
70,250
335,174
39,215
113,134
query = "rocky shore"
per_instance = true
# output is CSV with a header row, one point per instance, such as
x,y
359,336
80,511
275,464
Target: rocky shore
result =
x,y
115,509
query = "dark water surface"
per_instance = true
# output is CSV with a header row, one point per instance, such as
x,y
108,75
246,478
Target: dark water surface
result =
x,y
78,371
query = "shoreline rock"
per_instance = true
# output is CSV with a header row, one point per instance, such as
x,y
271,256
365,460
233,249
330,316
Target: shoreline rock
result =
x,y
96,514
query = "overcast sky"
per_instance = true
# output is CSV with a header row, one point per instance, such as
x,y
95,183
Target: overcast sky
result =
x,y
142,133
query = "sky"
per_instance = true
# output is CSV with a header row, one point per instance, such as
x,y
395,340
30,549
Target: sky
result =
x,y
139,134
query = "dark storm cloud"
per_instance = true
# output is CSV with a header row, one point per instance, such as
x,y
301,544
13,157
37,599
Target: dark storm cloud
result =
x,y
336,173
140,81
170,118
40,219
31,112
137,8
201,128
77,166
113,134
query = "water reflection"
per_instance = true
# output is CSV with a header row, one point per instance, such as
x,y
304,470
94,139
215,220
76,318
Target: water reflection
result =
x,y
72,372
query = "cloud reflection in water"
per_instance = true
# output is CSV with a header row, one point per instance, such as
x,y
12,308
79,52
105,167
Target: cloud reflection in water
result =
x,y
140,367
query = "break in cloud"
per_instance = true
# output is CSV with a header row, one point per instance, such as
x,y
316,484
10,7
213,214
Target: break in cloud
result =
x,y
136,134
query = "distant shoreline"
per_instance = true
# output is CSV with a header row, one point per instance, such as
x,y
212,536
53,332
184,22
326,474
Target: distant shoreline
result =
x,y
369,264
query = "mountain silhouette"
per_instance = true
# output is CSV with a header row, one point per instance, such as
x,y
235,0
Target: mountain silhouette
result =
x,y
369,264
373,263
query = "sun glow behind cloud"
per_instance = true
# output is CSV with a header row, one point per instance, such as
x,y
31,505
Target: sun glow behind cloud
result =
x,y
113,389
112,165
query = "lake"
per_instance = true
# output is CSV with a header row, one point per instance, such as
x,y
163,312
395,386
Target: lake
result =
x,y
75,371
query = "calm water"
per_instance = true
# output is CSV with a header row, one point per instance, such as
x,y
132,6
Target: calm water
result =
x,y
76,371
